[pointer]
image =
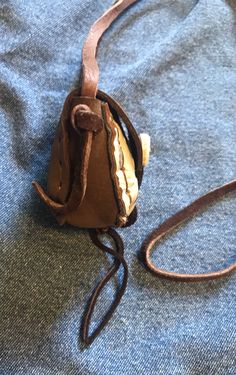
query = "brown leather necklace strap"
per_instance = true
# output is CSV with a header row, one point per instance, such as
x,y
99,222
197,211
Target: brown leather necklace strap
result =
x,y
173,222
90,74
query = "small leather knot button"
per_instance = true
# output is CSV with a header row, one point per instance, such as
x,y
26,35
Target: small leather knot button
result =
x,y
82,117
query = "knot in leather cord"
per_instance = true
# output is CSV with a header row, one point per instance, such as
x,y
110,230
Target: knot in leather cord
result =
x,y
82,117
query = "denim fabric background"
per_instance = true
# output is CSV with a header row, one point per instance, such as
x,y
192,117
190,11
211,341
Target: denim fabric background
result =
x,y
172,65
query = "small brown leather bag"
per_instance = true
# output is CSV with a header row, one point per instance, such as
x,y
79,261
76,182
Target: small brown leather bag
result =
x,y
96,170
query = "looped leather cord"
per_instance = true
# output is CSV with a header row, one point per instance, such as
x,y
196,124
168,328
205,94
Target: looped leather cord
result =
x,y
173,222
90,74
119,260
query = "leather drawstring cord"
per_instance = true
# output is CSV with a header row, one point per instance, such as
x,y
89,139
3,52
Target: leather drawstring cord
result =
x,y
119,260
176,220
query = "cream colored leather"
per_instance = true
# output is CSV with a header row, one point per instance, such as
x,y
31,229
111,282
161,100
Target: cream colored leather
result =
x,y
146,147
124,170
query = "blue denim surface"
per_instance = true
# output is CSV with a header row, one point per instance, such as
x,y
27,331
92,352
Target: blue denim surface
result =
x,y
172,65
